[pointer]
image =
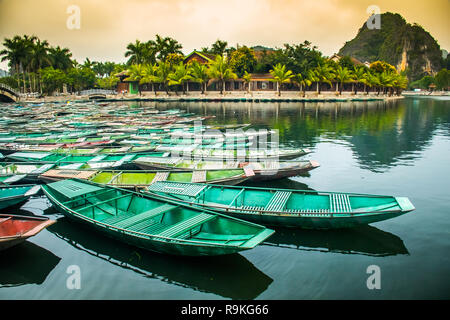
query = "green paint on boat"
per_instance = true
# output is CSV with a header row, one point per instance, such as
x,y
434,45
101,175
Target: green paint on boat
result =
x,y
151,223
285,207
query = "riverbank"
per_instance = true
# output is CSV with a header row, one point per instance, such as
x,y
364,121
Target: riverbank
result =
x,y
232,96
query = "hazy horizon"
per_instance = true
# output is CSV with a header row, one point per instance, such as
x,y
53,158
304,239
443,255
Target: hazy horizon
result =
x,y
108,26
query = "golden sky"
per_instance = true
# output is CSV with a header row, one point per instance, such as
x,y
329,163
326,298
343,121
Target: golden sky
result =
x,y
107,26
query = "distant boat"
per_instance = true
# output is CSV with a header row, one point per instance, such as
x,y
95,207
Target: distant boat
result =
x,y
151,223
14,195
142,178
15,229
286,207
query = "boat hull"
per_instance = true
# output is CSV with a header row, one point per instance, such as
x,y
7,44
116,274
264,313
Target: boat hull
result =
x,y
155,243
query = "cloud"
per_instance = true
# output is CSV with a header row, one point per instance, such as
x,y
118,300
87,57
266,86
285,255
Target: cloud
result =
x,y
108,26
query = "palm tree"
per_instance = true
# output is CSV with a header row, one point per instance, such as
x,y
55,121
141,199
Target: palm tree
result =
x,y
342,75
40,57
13,54
219,47
148,75
137,52
323,73
400,82
358,77
221,70
60,58
200,74
247,77
162,74
370,80
166,46
135,73
179,76
302,82
386,81
280,75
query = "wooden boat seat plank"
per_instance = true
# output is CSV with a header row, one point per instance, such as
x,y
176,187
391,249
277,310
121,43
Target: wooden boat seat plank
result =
x,y
145,215
191,190
161,176
186,225
198,176
278,201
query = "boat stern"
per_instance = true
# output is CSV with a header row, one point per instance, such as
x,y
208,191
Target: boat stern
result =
x,y
405,204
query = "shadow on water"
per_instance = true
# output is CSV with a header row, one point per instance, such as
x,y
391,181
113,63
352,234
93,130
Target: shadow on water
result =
x,y
364,240
230,276
26,263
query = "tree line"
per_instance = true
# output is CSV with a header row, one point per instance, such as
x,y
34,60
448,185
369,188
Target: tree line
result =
x,y
35,66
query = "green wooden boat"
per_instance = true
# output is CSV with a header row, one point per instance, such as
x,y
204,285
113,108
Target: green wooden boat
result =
x,y
264,170
287,208
151,223
13,173
102,160
14,195
141,178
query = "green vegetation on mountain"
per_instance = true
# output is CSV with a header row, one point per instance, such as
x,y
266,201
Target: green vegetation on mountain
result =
x,y
406,46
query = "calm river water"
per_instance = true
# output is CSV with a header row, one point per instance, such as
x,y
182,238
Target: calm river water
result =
x,y
396,148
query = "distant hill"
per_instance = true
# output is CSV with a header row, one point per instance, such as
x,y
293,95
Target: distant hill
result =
x,y
406,46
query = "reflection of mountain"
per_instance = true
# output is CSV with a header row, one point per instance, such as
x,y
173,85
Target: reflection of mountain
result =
x,y
228,276
26,263
381,133
401,141
365,240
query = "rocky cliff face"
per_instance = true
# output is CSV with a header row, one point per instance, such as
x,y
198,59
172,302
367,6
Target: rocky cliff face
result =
x,y
408,47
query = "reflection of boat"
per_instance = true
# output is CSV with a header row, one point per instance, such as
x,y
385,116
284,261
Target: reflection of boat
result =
x,y
231,276
15,229
16,269
14,195
364,240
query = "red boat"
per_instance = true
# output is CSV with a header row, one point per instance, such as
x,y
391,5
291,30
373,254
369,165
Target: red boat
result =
x,y
15,229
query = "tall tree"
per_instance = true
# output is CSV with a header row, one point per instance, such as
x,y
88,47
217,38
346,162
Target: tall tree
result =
x,y
135,73
179,76
200,74
342,75
60,58
162,74
302,82
280,75
221,70
219,47
323,74
136,52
